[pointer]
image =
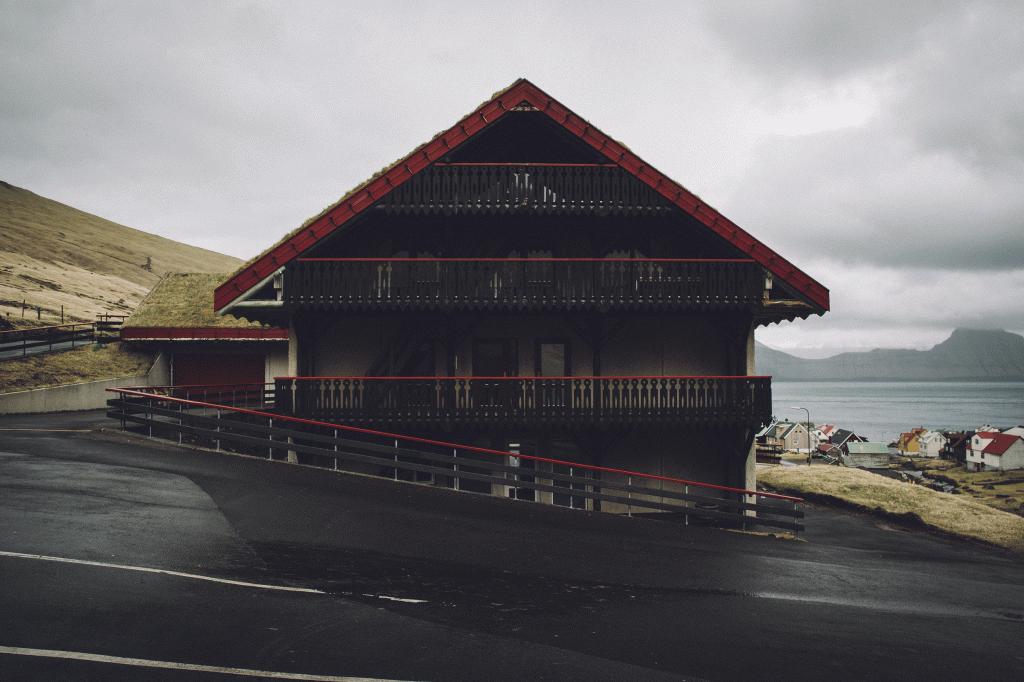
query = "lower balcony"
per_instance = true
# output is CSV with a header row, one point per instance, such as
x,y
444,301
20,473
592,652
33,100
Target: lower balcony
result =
x,y
563,403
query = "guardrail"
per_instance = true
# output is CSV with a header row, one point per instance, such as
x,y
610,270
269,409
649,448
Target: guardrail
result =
x,y
453,465
38,338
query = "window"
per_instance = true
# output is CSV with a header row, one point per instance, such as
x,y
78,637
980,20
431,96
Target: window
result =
x,y
552,358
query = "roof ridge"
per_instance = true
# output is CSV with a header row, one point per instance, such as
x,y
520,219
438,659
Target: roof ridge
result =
x,y
365,195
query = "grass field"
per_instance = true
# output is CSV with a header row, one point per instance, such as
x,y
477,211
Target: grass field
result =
x,y
958,515
1003,490
54,257
88,363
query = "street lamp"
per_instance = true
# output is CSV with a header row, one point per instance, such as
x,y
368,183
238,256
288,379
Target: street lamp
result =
x,y
808,432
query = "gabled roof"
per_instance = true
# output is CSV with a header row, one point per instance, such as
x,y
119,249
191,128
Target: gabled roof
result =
x,y
842,435
522,92
788,428
868,448
180,306
1000,443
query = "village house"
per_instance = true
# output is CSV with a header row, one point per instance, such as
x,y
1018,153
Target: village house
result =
x,y
991,451
523,282
955,448
866,455
840,438
825,432
930,444
796,437
908,441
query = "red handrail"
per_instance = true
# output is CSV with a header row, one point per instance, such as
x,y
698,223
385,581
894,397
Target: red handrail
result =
x,y
142,394
526,260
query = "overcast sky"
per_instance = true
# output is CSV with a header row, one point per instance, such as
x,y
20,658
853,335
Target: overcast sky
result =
x,y
878,145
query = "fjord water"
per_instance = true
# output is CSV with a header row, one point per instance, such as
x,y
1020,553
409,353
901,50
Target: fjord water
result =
x,y
881,410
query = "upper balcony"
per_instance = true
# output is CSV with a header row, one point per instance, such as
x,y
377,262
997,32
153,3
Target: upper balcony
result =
x,y
501,188
524,284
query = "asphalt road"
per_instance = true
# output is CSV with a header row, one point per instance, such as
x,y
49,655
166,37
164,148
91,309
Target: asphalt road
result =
x,y
122,558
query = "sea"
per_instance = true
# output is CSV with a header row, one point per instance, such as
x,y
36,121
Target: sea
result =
x,y
881,410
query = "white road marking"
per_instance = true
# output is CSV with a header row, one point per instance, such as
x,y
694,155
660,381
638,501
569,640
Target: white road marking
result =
x,y
195,576
407,601
118,660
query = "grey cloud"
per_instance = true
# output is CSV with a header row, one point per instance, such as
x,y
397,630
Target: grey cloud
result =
x,y
964,92
825,40
870,196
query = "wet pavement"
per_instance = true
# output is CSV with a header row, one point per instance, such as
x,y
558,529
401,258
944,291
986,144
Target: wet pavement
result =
x,y
421,583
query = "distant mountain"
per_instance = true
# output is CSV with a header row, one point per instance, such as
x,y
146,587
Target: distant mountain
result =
x,y
967,355
54,256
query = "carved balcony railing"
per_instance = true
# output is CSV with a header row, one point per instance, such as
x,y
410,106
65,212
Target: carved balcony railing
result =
x,y
523,284
528,402
507,188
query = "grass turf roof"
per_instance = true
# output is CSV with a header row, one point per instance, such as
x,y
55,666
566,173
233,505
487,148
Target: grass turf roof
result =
x,y
184,300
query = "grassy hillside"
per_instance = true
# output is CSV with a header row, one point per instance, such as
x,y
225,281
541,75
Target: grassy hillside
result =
x,y
916,505
86,363
53,255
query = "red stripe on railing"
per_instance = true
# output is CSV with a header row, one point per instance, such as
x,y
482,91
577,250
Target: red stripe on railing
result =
x,y
525,260
201,333
742,376
142,394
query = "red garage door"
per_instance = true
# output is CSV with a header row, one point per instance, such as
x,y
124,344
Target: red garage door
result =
x,y
194,369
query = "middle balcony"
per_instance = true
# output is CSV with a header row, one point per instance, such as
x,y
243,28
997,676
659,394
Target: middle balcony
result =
x,y
397,403
522,284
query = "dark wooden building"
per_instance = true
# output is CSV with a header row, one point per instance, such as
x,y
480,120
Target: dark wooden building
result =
x,y
523,282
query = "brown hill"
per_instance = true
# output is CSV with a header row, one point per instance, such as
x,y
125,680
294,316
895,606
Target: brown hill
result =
x,y
54,256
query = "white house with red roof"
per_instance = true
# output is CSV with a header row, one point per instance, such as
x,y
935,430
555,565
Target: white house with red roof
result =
x,y
825,432
930,443
990,451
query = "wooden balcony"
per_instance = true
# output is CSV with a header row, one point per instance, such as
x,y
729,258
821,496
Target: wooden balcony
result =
x,y
452,284
572,403
478,188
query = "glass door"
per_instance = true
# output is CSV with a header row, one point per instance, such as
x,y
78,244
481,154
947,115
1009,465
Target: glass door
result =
x,y
493,361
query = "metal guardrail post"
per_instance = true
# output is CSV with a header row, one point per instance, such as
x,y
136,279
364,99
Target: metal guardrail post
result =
x,y
629,496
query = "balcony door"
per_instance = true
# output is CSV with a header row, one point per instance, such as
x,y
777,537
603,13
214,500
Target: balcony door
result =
x,y
493,360
552,359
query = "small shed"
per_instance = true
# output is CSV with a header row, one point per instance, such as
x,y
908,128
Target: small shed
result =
x,y
867,455
197,346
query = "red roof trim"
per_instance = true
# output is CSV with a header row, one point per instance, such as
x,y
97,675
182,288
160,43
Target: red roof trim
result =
x,y
521,90
1000,443
200,333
